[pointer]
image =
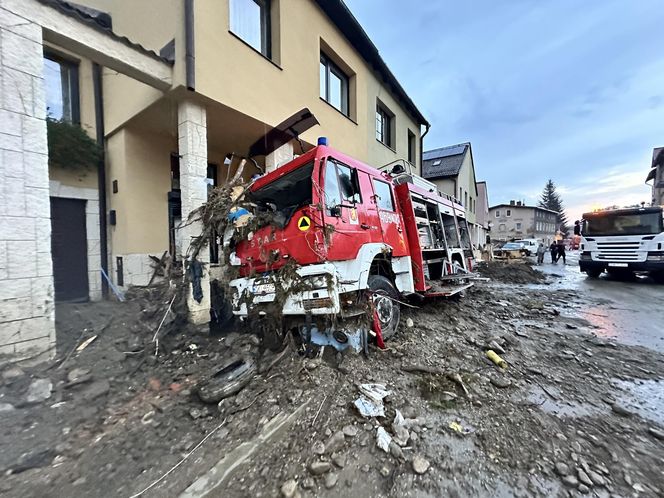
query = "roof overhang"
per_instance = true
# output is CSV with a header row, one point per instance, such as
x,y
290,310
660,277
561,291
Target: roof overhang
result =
x,y
99,45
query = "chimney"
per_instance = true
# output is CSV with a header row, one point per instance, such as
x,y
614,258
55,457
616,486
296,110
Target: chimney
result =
x,y
518,203
512,203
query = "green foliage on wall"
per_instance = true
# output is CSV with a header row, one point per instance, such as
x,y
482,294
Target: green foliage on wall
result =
x,y
69,147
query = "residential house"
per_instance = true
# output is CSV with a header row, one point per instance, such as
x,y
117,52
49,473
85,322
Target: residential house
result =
x,y
656,174
482,218
515,221
176,92
452,169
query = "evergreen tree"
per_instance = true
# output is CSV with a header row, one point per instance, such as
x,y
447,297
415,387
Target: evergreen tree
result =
x,y
551,200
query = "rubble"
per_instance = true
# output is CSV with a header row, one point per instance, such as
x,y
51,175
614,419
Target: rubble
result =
x,y
39,390
420,464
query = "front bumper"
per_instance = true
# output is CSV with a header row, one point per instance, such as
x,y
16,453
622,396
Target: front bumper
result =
x,y
631,266
250,294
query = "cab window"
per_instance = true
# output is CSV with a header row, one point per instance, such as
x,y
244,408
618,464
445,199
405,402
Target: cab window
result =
x,y
341,185
383,195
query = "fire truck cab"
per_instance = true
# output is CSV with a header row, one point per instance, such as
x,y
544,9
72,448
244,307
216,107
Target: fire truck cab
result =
x,y
349,230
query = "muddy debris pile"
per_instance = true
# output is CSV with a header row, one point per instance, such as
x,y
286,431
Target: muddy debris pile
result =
x,y
511,273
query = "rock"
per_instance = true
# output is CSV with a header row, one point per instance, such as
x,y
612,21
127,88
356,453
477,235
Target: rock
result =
x,y
331,480
339,461
562,469
396,452
195,413
11,374
656,433
97,389
318,468
36,459
308,483
571,481
39,390
6,407
620,410
289,488
501,382
409,323
597,479
350,430
584,489
583,477
134,343
318,448
385,471
420,465
335,443
366,468
78,376
496,347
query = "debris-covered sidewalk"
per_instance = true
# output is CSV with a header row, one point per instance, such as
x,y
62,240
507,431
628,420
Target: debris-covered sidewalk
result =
x,y
431,415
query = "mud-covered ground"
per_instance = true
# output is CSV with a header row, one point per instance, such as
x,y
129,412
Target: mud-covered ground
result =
x,y
571,414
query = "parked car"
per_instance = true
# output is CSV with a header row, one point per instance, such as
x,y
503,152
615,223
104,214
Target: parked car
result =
x,y
530,245
511,250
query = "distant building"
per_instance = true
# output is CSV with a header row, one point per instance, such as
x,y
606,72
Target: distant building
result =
x,y
482,215
452,169
515,221
656,174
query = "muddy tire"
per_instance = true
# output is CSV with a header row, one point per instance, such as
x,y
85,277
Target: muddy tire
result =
x,y
228,381
593,273
385,298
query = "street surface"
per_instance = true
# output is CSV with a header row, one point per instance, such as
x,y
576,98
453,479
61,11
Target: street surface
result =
x,y
578,409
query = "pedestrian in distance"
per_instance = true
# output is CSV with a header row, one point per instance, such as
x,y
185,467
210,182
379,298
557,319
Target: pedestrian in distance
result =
x,y
561,251
553,249
540,253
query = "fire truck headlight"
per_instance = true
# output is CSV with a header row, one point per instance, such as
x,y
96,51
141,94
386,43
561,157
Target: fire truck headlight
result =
x,y
656,256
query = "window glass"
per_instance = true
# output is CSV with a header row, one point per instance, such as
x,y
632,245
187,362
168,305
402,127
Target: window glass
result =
x,y
383,126
333,85
497,214
509,212
411,147
347,185
384,195
249,20
60,80
331,187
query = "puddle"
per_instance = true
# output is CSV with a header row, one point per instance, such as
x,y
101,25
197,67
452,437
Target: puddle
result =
x,y
562,408
645,397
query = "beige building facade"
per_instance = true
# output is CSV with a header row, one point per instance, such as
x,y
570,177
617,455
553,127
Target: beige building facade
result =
x,y
656,176
516,221
176,92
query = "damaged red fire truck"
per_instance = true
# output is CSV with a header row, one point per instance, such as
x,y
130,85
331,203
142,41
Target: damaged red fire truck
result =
x,y
361,241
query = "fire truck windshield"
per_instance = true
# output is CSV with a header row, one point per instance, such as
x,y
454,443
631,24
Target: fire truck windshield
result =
x,y
285,195
637,223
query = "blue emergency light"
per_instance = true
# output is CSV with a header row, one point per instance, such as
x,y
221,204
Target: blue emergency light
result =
x,y
322,140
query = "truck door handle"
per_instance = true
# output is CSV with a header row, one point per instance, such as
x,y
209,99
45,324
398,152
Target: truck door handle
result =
x,y
399,229
365,226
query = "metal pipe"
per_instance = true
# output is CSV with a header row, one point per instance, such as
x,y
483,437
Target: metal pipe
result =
x,y
190,52
422,147
101,172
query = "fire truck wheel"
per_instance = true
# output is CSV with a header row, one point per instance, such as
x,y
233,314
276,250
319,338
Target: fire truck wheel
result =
x,y
385,298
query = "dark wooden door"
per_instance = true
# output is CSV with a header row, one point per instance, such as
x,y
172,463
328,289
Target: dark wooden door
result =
x,y
69,246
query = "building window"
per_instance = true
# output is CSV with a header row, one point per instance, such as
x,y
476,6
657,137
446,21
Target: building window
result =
x,y
61,82
465,201
333,85
509,212
383,195
518,226
250,20
411,147
497,214
384,125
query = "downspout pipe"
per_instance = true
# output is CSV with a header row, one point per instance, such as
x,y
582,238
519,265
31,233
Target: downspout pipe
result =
x,y
101,172
428,126
190,52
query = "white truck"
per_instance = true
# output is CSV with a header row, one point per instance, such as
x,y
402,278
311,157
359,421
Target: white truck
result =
x,y
623,242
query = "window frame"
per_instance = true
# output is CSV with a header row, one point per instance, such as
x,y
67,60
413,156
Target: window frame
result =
x,y
342,199
386,118
508,213
332,68
497,213
412,147
389,188
265,7
73,66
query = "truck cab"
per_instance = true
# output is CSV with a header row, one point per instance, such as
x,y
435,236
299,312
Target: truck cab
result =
x,y
623,241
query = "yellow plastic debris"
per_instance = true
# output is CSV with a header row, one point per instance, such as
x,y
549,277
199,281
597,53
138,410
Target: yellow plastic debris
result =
x,y
493,356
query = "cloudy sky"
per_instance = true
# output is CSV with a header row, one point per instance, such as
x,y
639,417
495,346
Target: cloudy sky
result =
x,y
561,89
